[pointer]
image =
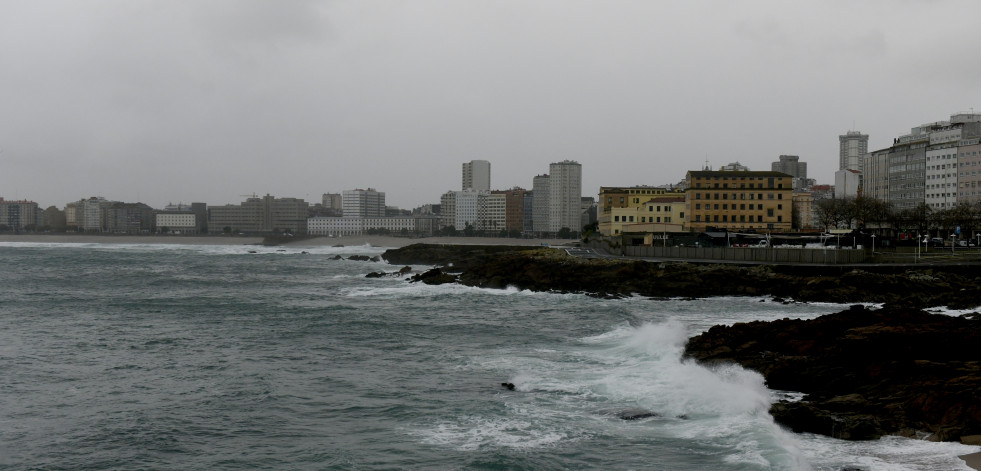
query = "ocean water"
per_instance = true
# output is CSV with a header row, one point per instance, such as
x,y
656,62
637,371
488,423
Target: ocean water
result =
x,y
211,357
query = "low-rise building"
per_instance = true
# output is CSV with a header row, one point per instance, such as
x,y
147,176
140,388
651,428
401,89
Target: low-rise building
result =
x,y
630,205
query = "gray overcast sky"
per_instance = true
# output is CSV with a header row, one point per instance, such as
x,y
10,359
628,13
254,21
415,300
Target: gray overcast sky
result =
x,y
208,100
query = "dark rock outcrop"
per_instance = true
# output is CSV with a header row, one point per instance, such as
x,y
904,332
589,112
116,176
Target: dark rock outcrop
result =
x,y
380,274
359,258
434,276
866,373
544,269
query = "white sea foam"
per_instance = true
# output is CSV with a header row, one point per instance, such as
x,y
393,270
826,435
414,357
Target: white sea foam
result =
x,y
471,433
205,249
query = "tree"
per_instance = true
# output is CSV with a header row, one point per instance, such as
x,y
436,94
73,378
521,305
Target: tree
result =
x,y
449,231
468,231
565,233
830,212
227,229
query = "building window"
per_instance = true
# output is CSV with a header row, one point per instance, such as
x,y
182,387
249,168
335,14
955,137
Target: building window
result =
x,y
616,218
698,206
658,219
769,212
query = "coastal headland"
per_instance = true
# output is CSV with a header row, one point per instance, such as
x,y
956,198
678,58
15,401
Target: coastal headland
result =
x,y
898,370
548,269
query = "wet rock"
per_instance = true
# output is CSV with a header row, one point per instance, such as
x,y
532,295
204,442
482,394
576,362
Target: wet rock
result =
x,y
359,258
636,414
434,276
866,373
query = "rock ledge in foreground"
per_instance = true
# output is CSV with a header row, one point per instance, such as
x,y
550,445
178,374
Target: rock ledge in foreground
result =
x,y
866,373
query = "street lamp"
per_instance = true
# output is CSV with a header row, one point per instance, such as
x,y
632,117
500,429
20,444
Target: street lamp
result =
x,y
873,244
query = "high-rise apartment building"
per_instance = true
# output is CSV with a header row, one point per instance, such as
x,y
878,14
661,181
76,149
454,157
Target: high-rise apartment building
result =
x,y
539,209
791,165
260,214
476,175
852,146
363,203
18,215
564,196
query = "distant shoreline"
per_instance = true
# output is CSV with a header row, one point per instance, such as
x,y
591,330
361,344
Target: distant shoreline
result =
x,y
374,241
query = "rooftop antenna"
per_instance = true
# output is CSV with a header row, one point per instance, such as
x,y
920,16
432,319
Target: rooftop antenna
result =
x,y
706,167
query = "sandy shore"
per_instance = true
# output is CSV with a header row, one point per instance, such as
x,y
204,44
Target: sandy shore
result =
x,y
375,241
973,460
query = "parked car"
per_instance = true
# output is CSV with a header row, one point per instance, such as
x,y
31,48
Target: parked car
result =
x,y
936,242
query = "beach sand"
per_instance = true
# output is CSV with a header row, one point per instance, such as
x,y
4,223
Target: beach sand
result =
x,y
374,241
973,460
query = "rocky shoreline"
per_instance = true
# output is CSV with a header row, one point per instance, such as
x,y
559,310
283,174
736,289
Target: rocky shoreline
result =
x,y
865,372
544,269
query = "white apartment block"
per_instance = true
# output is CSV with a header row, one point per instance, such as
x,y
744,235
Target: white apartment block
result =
x,y
348,226
492,212
564,196
363,203
467,209
476,175
941,178
177,221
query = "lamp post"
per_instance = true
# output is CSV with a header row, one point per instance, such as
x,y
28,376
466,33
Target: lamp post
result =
x,y
873,244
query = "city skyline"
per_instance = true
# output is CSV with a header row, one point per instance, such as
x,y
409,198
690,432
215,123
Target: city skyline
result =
x,y
186,101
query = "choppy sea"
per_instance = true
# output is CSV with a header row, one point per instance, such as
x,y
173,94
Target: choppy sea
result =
x,y
212,357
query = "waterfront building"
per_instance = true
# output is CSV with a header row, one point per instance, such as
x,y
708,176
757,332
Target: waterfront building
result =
x,y
969,171
740,200
564,196
359,203
129,218
529,212
540,206
18,215
622,205
52,219
477,175
491,212
926,166
852,146
177,222
90,214
260,215
664,213
514,208
350,226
